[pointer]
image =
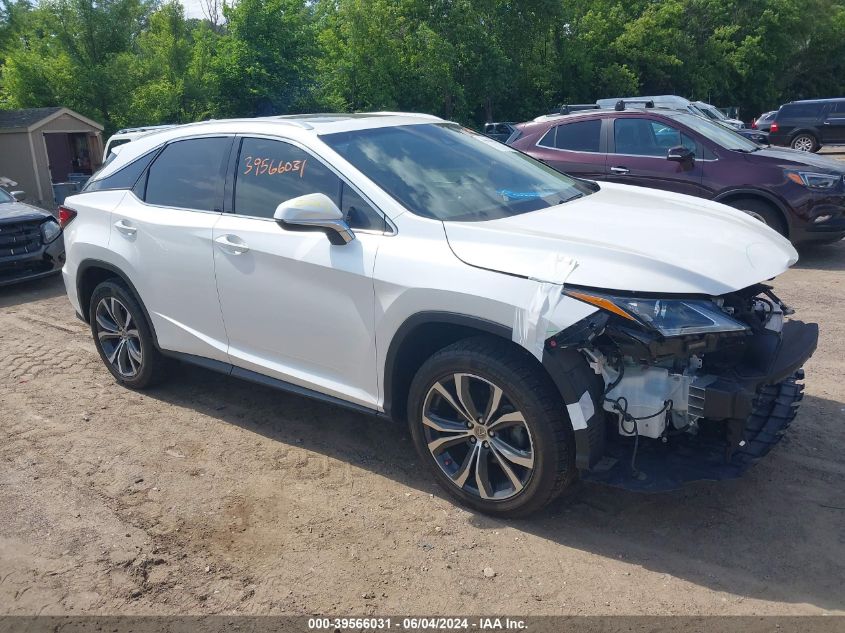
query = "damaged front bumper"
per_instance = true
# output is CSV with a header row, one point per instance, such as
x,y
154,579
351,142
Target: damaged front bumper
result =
x,y
736,408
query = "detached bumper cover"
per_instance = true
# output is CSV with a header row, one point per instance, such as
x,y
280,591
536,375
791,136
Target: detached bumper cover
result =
x,y
755,409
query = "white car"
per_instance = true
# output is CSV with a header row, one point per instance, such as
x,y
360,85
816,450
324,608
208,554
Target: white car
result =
x,y
530,327
126,135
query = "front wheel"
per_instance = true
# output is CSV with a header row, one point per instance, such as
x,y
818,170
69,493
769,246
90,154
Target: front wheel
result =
x,y
762,211
491,427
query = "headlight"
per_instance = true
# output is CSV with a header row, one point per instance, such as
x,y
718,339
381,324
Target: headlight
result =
x,y
50,230
670,317
813,180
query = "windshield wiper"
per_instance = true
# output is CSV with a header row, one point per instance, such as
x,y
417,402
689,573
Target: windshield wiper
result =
x,y
571,198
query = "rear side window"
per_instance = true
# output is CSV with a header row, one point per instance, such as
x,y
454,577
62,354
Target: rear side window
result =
x,y
838,108
189,174
271,172
124,178
578,136
800,110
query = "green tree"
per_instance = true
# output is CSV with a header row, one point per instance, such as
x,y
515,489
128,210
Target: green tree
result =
x,y
264,62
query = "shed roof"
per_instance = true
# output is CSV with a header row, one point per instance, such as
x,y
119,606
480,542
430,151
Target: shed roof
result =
x,y
25,117
28,118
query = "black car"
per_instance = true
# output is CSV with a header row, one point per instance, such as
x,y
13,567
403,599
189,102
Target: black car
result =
x,y
808,125
31,243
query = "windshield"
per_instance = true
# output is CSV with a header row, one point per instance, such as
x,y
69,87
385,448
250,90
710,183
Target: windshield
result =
x,y
719,134
712,111
5,197
447,172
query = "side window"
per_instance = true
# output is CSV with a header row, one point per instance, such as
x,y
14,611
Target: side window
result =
x,y
802,110
643,137
838,110
123,178
188,174
579,136
270,172
358,213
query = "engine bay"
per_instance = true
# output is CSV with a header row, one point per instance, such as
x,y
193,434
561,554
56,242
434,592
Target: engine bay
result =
x,y
672,393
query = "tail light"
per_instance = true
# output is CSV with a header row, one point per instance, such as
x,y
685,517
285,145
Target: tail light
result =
x,y
754,124
66,215
774,127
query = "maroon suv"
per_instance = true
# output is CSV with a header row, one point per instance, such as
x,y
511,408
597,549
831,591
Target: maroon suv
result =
x,y
800,195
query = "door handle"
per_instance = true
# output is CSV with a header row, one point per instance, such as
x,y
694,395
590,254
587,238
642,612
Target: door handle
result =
x,y
124,227
232,244
826,123
619,170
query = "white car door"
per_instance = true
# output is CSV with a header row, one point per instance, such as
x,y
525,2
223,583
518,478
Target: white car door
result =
x,y
162,234
296,307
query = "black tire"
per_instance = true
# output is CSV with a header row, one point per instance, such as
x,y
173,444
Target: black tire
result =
x,y
152,367
804,142
763,211
528,390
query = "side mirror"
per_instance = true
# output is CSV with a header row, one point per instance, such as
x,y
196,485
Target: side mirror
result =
x,y
680,154
314,211
20,196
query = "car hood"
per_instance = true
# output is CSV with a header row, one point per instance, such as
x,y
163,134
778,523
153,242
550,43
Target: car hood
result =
x,y
13,211
631,239
792,158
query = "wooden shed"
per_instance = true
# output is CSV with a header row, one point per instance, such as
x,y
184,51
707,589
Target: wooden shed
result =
x,y
43,147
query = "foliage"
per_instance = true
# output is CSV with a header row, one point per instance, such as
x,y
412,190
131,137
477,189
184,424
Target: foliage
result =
x,y
132,62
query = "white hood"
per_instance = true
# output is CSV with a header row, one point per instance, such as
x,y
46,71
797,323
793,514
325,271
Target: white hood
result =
x,y
630,238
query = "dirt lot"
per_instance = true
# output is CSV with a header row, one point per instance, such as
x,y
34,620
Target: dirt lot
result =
x,y
209,495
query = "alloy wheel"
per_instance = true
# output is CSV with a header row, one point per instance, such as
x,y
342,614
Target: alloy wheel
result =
x,y
478,437
803,144
119,337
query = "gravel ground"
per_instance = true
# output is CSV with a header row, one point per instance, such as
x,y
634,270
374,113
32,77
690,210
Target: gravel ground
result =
x,y
209,495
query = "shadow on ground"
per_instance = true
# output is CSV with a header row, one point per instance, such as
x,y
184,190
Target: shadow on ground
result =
x,y
822,256
775,535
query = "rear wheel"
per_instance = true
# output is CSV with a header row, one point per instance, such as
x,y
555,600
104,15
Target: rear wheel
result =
x,y
491,427
123,337
805,142
762,211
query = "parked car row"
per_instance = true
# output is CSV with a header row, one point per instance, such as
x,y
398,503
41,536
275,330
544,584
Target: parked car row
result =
x,y
801,196
808,125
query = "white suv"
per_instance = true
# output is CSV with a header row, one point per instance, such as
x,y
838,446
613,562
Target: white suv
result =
x,y
529,326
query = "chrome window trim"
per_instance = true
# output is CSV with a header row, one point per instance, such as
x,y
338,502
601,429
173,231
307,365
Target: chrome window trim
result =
x,y
697,160
162,206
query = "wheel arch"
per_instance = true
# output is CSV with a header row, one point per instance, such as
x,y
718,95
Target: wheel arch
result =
x,y
814,132
424,333
91,273
748,193
420,336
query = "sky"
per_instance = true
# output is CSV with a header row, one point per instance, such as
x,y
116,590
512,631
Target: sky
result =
x,y
193,8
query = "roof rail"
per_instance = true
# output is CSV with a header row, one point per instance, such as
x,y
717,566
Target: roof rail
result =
x,y
569,108
622,103
144,128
